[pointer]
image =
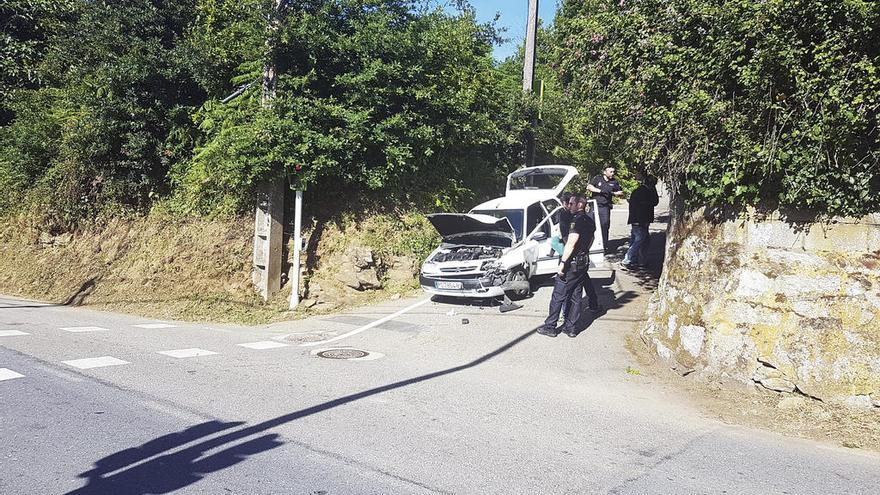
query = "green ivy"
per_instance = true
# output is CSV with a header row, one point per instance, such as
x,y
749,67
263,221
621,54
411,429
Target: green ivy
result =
x,y
741,102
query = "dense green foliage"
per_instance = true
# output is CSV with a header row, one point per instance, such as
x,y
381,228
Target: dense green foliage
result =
x,y
736,102
370,96
115,104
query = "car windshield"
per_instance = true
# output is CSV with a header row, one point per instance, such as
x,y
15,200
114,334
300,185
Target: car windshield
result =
x,y
515,217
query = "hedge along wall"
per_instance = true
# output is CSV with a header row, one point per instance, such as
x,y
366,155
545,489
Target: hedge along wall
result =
x,y
792,307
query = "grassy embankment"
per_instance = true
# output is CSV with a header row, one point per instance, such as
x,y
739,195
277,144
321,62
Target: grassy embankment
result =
x,y
198,269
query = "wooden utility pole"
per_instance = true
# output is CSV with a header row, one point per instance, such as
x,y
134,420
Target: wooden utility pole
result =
x,y
268,223
529,77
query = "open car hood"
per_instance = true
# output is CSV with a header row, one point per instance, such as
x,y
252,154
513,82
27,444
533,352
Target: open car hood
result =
x,y
470,228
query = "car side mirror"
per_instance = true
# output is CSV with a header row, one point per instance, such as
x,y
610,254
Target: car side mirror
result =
x,y
539,236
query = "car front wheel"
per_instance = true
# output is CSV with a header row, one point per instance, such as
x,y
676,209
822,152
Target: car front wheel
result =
x,y
519,275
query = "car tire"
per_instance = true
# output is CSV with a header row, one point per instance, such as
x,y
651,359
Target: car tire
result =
x,y
519,274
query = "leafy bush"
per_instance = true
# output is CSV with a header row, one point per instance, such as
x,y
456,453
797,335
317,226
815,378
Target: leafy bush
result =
x,y
371,95
742,102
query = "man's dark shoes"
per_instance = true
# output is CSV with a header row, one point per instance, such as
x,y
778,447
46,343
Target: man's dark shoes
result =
x,y
571,332
549,332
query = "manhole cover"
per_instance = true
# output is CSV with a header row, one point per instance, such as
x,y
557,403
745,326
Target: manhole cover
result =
x,y
343,354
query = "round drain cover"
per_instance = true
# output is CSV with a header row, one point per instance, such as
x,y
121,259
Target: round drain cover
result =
x,y
343,354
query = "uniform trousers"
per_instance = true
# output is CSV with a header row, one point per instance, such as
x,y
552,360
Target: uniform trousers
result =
x,y
604,224
566,297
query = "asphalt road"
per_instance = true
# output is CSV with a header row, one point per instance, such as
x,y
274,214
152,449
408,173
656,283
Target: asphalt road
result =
x,y
437,406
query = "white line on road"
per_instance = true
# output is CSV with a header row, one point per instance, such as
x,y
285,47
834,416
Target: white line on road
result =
x,y
152,326
97,362
84,329
187,353
8,374
367,326
12,333
263,344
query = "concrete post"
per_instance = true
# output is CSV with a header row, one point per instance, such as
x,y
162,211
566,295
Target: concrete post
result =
x,y
268,228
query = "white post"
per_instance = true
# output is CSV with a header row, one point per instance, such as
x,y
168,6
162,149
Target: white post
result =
x,y
597,250
297,247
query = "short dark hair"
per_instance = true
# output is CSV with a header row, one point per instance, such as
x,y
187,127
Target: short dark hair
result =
x,y
566,196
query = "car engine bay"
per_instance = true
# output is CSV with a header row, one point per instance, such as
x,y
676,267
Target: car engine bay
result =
x,y
467,253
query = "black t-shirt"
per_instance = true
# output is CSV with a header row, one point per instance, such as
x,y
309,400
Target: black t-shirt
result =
x,y
585,227
603,199
565,219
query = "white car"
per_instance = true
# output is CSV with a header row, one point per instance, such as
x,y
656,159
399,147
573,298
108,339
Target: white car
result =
x,y
499,245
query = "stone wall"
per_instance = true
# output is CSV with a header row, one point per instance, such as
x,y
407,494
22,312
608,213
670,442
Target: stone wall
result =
x,y
794,307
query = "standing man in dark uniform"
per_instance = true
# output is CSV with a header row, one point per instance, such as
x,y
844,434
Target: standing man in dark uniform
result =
x,y
604,187
571,277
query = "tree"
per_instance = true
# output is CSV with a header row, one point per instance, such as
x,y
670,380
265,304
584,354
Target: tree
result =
x,y
744,102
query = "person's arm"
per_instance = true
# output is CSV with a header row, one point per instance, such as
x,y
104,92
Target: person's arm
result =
x,y
567,252
592,187
617,190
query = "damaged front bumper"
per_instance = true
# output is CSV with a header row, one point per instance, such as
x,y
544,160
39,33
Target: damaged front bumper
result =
x,y
485,285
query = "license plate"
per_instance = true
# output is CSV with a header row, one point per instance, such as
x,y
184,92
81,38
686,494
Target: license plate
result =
x,y
448,285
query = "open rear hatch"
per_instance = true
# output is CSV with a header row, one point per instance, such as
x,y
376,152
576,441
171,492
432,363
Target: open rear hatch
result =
x,y
473,229
546,180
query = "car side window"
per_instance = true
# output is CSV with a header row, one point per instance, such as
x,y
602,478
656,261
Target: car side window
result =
x,y
534,215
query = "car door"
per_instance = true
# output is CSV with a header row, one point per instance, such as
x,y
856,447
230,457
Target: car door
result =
x,y
539,245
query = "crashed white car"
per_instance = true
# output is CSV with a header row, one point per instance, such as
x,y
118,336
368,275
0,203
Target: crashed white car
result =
x,y
498,246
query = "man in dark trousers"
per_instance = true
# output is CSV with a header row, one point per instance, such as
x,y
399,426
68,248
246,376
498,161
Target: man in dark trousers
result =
x,y
604,187
641,213
571,277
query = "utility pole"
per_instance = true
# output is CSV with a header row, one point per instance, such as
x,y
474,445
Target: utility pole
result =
x,y
268,222
529,77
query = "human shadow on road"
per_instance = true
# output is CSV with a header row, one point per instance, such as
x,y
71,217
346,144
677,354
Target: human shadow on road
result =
x,y
125,473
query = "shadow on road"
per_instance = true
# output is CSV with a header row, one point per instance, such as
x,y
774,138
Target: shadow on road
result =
x,y
126,473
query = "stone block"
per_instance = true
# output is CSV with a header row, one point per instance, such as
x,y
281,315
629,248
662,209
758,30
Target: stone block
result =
x,y
799,286
774,234
810,309
752,284
838,238
691,338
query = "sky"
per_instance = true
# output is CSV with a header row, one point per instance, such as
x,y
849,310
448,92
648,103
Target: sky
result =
x,y
513,17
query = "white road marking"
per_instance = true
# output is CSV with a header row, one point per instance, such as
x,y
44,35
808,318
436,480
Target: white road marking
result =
x,y
12,333
8,374
263,344
187,353
367,326
155,325
97,362
84,329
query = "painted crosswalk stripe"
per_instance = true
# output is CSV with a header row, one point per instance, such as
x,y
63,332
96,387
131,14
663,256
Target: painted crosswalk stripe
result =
x,y
12,333
8,374
97,362
263,344
155,325
84,329
187,353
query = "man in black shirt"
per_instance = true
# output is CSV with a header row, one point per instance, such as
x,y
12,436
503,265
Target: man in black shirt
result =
x,y
565,217
641,213
604,187
571,277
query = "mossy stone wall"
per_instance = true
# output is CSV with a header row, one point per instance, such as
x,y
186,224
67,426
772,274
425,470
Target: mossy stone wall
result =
x,y
794,307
